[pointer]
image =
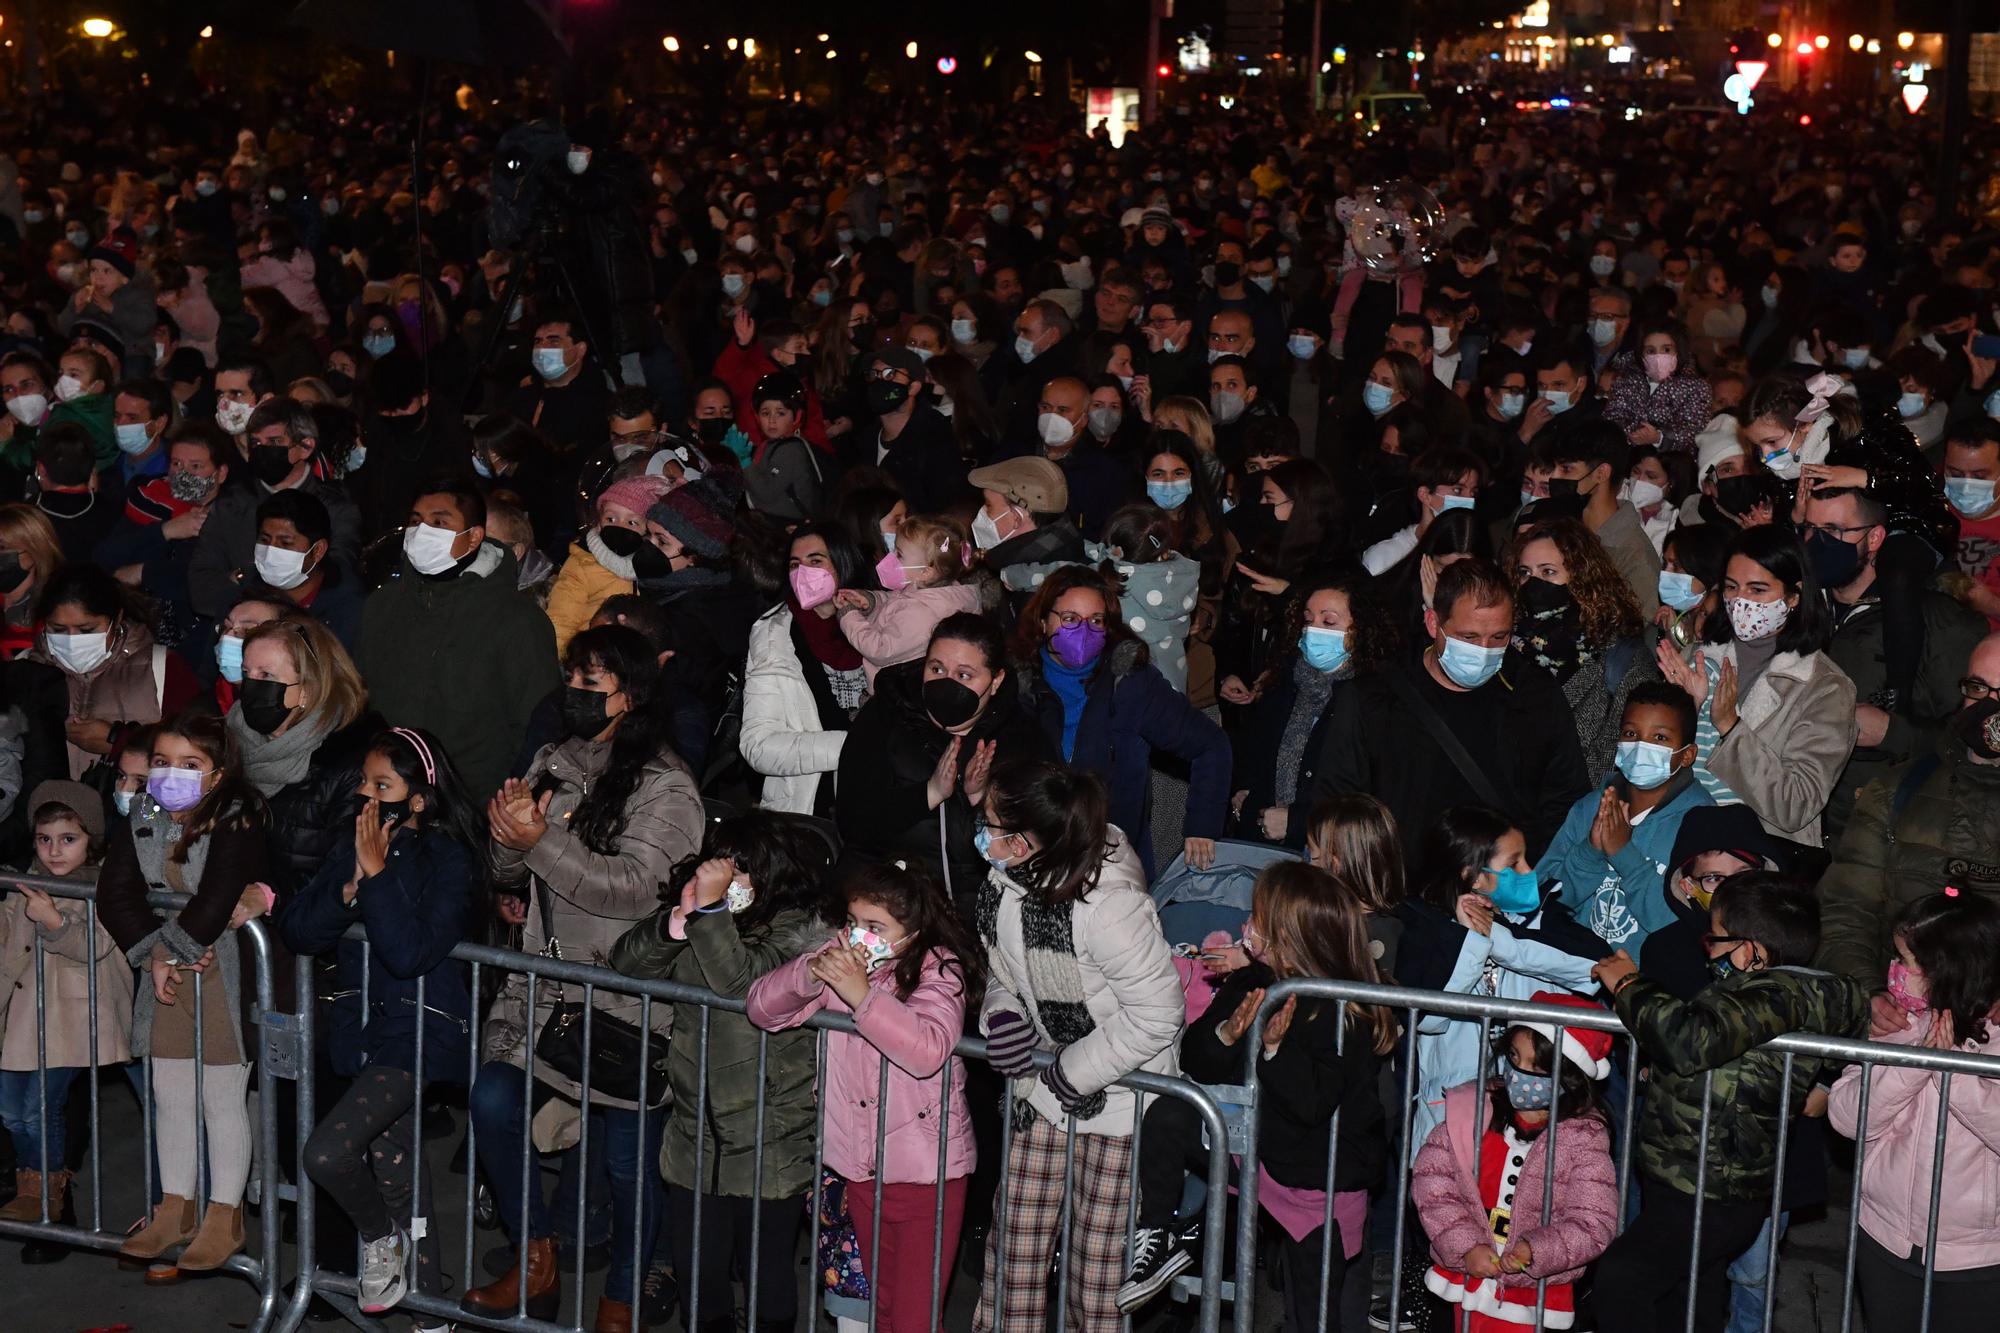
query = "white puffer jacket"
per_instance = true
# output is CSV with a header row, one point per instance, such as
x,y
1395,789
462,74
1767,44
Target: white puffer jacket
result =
x,y
1130,987
781,735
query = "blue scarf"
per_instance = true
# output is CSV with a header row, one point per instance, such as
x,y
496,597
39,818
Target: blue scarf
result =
x,y
1071,685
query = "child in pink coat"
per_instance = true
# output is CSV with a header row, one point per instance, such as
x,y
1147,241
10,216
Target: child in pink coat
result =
x,y
926,578
1477,1182
906,969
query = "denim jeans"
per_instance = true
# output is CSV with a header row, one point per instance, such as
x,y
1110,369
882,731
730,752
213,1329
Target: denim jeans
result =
x,y
629,1140
21,1110
1746,1279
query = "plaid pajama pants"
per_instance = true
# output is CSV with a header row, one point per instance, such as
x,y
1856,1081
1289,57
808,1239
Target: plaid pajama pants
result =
x,y
1101,1190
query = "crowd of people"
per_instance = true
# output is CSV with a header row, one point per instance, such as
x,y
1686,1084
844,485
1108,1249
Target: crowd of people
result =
x,y
897,554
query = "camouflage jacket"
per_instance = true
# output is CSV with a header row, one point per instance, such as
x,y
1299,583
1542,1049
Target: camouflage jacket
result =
x,y
1722,1030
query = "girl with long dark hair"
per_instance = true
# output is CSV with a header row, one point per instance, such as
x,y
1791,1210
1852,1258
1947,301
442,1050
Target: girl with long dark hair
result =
x,y
1303,532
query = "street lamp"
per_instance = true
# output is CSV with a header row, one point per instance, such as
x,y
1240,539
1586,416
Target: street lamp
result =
x,y
671,43
1032,57
1874,46
1906,40
99,28
1775,40
910,50
1854,41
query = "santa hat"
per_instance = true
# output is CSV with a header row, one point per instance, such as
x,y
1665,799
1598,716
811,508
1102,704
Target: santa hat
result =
x,y
1586,1048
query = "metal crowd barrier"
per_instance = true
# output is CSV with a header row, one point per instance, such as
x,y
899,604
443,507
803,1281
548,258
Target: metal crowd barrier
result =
x,y
285,1050
261,1269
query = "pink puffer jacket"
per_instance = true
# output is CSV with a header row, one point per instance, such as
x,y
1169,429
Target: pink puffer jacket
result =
x,y
1582,1221
916,1034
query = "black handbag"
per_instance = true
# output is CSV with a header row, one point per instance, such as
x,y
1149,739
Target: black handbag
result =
x,y
618,1050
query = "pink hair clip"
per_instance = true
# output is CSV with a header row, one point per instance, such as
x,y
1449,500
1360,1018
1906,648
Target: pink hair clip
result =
x,y
1951,890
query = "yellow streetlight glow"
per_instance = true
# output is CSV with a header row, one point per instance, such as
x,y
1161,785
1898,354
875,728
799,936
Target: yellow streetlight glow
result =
x,y
1607,40
1854,41
910,50
831,53
824,37
1874,47
1820,41
208,32
749,48
1906,40
671,43
1032,57
97,27
732,43
1775,40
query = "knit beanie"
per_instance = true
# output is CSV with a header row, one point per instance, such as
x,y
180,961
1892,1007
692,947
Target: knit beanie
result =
x,y
120,250
637,494
89,806
700,517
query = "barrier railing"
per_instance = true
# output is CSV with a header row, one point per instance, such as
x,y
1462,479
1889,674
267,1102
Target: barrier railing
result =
x,y
285,1050
260,1269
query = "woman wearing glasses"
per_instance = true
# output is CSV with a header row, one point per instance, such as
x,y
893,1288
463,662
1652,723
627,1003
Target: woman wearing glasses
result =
x,y
1086,677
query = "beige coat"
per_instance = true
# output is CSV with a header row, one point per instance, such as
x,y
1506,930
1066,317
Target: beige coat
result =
x,y
594,897
66,963
1794,734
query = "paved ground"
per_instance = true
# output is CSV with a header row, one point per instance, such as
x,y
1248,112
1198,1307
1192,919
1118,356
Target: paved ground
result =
x,y
89,1292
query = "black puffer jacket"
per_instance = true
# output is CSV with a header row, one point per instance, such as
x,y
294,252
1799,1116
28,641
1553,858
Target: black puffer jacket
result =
x,y
316,813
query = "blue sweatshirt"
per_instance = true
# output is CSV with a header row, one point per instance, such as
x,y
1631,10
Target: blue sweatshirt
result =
x,y
1619,898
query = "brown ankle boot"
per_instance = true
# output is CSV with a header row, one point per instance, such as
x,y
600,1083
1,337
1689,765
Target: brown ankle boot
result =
x,y
613,1316
27,1202
172,1224
535,1268
220,1237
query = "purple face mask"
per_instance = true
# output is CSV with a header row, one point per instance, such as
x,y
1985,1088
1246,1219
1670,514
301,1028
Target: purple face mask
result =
x,y
175,789
1077,645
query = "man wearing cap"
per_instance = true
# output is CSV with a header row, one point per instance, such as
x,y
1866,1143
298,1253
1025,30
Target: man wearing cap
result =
x,y
913,440
1023,514
116,297
1929,823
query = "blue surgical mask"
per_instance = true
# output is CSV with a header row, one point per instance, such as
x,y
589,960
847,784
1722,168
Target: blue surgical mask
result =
x,y
550,362
1024,348
481,467
1604,265
229,658
822,297
1604,332
379,345
1644,764
1558,400
1515,891
1512,405
732,284
1301,346
1854,358
1468,664
982,842
1376,397
1170,494
1447,503
1324,649
889,540
1678,591
1969,495
1910,405
1993,404
132,437
121,801
1527,1091
964,331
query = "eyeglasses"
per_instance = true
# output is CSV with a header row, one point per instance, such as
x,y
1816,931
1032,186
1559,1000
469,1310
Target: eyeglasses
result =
x,y
1834,531
1972,687
1709,882
1070,620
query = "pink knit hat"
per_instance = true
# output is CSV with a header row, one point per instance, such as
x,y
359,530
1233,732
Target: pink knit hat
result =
x,y
637,494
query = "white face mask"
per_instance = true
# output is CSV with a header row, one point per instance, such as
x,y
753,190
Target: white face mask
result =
x,y
1757,620
1643,493
233,417
68,387
280,568
985,531
79,654
428,549
29,408
578,160
1054,428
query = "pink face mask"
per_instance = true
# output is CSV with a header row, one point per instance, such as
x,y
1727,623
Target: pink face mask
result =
x,y
894,577
1659,365
1899,989
812,586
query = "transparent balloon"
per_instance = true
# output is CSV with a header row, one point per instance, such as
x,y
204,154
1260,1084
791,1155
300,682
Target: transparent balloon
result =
x,y
1392,226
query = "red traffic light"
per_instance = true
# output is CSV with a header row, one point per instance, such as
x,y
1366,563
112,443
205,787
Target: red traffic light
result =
x,y
1165,71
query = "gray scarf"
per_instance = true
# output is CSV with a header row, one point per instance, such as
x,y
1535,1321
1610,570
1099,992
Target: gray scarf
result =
x,y
1055,980
273,763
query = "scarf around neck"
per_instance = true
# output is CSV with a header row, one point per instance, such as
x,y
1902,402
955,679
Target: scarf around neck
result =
x,y
273,763
823,638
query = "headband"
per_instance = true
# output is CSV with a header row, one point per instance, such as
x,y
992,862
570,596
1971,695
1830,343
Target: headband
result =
x,y
1822,387
423,752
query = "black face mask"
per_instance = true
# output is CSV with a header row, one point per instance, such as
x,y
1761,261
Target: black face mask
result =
x,y
712,429
1835,563
1228,274
885,396
649,562
1390,467
950,703
340,382
1539,597
621,542
393,812
12,575
263,704
583,713
1739,495
1562,487
270,463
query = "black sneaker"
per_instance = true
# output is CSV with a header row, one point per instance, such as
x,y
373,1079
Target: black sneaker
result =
x,y
1159,1255
1378,1317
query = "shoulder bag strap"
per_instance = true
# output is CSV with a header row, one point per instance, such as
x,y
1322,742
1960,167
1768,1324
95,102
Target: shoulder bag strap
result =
x,y
1468,768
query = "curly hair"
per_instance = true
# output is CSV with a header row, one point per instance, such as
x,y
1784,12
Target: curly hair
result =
x,y
1604,600
1370,644
1030,636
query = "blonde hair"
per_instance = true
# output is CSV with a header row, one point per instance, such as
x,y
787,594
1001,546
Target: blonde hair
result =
x,y
944,542
1358,834
1194,417
331,682
26,529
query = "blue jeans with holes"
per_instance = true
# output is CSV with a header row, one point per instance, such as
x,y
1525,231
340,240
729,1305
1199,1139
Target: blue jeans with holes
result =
x,y
1746,1279
20,1109
629,1141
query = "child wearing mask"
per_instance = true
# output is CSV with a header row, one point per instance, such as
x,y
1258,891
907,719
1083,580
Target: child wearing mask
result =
x,y
1709,1053
1303,923
906,968
1481,1180
604,563
1609,859
67,819
926,578
1944,976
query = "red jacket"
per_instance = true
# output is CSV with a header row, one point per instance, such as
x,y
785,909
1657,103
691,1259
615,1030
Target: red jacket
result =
x,y
740,368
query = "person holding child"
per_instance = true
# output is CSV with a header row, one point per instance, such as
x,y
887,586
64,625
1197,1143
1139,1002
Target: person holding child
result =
x,y
906,968
926,578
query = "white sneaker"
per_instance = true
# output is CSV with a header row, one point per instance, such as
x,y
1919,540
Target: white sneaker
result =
x,y
384,1272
